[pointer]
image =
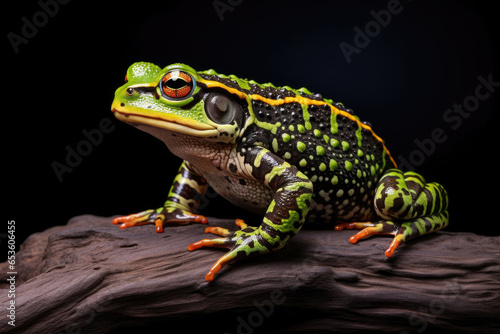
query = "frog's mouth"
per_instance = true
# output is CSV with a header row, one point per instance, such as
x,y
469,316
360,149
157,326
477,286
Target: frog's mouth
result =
x,y
168,122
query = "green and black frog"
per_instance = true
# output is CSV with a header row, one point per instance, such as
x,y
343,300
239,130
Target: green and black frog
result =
x,y
287,154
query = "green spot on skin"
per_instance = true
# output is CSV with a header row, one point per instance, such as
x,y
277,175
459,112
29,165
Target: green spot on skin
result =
x,y
322,167
305,112
301,128
291,127
333,165
325,137
275,128
287,156
317,133
372,170
320,150
275,145
301,146
360,153
333,123
285,137
335,180
348,166
359,136
306,116
334,142
359,173
303,163
345,146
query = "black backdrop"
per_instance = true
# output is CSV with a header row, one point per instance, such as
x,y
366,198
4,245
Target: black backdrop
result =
x,y
417,70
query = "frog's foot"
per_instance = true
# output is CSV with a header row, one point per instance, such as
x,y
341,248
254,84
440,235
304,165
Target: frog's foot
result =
x,y
160,218
403,231
368,229
243,243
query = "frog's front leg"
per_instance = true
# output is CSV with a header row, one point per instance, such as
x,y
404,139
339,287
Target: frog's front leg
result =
x,y
184,197
283,219
409,207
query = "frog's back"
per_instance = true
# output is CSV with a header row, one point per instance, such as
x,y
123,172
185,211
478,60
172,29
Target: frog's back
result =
x,y
341,155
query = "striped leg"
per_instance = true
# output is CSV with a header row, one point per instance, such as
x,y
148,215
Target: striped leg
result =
x,y
184,197
409,207
284,217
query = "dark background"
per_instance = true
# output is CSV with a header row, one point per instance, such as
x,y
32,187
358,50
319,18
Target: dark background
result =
x,y
61,82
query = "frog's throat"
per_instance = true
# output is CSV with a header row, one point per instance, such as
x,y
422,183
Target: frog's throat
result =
x,y
168,123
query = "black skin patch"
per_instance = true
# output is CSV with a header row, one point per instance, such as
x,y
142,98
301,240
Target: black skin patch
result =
x,y
233,168
242,182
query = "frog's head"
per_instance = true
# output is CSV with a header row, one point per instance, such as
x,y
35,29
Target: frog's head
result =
x,y
176,99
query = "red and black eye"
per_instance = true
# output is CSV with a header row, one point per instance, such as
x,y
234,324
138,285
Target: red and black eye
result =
x,y
177,85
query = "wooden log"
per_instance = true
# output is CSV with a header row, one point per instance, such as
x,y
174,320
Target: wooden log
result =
x,y
89,276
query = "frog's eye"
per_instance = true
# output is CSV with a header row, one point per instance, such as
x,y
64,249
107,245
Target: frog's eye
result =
x,y
177,85
221,109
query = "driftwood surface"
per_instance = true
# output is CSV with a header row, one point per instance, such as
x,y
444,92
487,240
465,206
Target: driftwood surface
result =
x,y
89,276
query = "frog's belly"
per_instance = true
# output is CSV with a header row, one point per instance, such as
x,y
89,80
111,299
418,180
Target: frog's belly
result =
x,y
248,194
255,197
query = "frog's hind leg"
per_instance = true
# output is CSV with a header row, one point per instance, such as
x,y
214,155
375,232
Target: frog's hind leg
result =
x,y
408,206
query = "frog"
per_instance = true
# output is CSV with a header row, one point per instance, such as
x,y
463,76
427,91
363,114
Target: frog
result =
x,y
287,155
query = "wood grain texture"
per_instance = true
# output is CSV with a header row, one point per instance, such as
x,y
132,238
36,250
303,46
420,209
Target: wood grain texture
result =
x,y
89,276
